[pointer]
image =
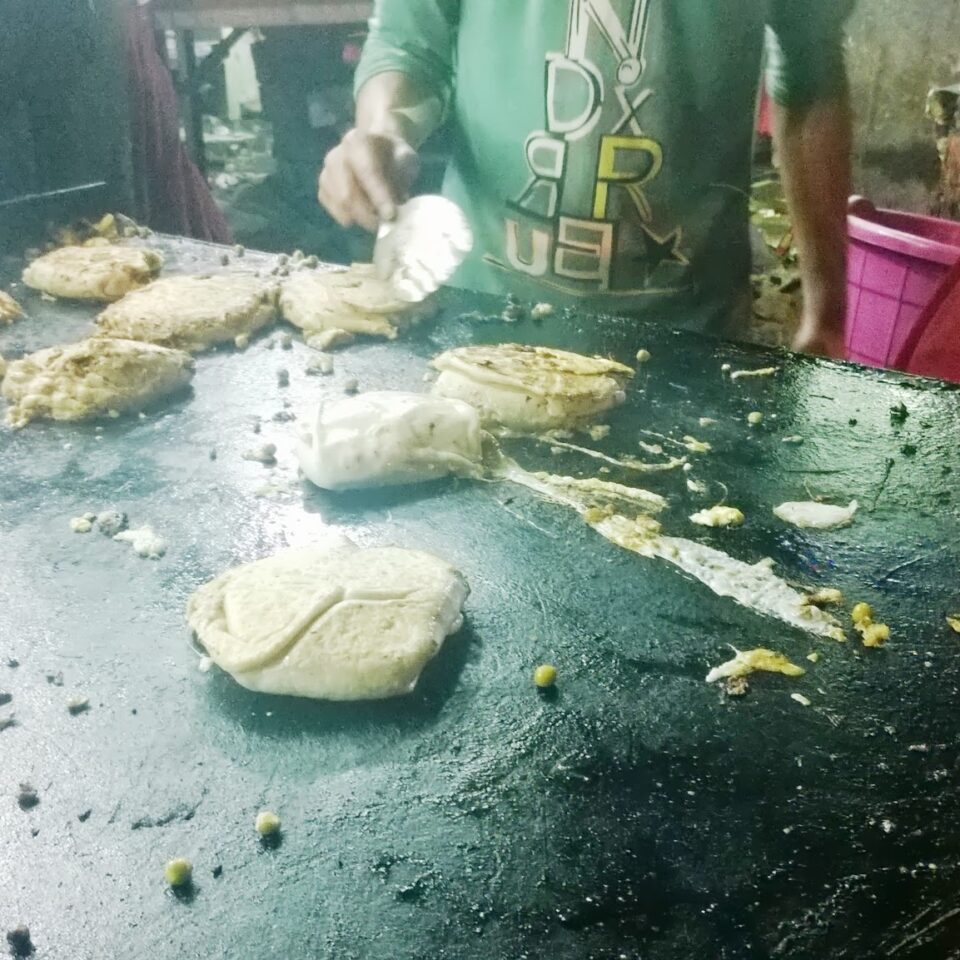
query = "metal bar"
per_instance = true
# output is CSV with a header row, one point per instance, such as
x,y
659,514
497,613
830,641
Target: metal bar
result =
x,y
23,219
52,196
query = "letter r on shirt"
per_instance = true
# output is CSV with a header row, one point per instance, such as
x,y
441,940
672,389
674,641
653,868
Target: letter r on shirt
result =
x,y
631,162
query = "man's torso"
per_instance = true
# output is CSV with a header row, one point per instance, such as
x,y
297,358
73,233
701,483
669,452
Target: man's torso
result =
x,y
603,150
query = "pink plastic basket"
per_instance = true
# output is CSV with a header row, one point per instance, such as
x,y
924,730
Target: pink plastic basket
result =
x,y
897,262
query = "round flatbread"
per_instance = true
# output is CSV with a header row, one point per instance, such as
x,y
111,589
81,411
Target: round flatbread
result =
x,y
91,378
531,388
353,300
10,310
97,272
192,313
334,622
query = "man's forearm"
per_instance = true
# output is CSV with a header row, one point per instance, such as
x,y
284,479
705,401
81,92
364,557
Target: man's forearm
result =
x,y
814,146
394,104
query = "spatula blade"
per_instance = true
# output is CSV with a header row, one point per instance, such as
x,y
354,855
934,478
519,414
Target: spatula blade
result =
x,y
420,250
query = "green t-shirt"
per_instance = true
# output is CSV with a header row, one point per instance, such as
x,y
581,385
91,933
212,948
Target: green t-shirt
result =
x,y
602,147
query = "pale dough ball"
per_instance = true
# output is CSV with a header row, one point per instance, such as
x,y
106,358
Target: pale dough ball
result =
x,y
386,437
333,621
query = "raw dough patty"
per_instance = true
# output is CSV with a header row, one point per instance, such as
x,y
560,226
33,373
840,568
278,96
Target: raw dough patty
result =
x,y
91,378
192,313
386,437
353,300
531,388
102,272
335,621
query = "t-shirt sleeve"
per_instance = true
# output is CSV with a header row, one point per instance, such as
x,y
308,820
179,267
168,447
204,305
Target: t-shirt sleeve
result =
x,y
415,37
805,55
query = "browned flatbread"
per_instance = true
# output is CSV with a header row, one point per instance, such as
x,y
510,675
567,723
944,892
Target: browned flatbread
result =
x,y
192,313
104,272
353,300
531,388
10,310
91,378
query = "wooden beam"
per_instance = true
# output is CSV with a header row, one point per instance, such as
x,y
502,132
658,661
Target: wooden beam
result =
x,y
183,15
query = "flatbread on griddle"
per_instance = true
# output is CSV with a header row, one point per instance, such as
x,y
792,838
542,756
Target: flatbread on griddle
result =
x,y
333,621
192,313
353,300
91,378
387,437
104,272
531,388
10,310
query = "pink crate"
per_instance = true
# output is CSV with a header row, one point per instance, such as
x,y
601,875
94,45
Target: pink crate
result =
x,y
897,262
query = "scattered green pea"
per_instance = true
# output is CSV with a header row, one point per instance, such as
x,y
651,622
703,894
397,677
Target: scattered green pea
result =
x,y
545,676
179,872
267,823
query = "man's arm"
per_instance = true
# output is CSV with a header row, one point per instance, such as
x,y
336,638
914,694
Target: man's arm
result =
x,y
398,105
814,144
371,171
403,84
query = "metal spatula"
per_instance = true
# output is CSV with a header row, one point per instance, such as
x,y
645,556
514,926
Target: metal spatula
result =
x,y
422,247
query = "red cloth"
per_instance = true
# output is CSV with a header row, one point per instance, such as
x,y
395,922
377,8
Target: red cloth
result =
x,y
934,349
765,114
171,191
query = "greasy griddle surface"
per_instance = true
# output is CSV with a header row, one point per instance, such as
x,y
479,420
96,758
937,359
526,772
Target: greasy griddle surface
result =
x,y
638,813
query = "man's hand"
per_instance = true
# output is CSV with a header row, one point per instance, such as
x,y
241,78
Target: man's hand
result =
x,y
366,178
370,173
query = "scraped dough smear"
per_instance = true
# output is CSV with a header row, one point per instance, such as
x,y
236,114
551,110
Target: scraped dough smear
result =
x,y
746,662
333,622
105,272
718,516
580,493
352,300
597,501
752,585
531,389
192,313
91,378
816,516
383,438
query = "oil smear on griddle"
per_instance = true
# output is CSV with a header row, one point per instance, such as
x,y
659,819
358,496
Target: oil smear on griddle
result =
x,y
599,503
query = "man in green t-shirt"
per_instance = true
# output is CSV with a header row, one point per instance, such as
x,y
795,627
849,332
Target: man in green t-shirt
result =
x,y
602,147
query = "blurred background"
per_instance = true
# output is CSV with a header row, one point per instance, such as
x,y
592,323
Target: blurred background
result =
x,y
253,95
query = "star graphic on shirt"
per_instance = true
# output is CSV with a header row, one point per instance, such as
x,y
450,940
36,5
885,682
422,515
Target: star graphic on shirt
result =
x,y
661,249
